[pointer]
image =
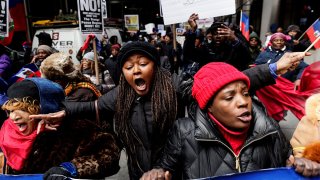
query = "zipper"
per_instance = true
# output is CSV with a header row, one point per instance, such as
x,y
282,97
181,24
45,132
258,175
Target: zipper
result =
x,y
237,157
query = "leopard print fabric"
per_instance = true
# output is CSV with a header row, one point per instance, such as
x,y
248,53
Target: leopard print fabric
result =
x,y
93,151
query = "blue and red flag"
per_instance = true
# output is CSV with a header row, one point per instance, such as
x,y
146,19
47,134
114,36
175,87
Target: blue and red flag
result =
x,y
244,25
27,71
17,13
313,33
17,20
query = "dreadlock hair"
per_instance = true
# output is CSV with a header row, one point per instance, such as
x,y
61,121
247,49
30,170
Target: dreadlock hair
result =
x,y
164,111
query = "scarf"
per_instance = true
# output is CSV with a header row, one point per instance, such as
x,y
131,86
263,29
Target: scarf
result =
x,y
71,87
235,139
15,146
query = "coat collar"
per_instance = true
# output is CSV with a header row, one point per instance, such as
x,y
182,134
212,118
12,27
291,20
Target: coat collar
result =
x,y
261,126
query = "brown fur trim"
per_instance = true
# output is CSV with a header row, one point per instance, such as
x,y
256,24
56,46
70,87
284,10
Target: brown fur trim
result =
x,y
312,152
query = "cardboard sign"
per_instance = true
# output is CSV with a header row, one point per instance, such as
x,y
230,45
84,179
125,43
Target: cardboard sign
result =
x,y
90,16
4,21
179,11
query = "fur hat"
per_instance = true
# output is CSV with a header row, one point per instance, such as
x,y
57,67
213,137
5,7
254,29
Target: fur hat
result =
x,y
307,131
59,66
138,47
89,56
211,78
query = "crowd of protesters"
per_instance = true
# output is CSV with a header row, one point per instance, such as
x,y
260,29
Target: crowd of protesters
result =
x,y
181,111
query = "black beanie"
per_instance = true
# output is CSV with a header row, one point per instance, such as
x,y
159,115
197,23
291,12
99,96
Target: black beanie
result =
x,y
23,89
144,48
213,28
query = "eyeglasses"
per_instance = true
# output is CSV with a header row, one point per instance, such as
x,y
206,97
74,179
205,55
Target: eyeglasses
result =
x,y
278,40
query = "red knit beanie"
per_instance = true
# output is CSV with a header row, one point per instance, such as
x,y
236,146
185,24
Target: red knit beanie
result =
x,y
211,78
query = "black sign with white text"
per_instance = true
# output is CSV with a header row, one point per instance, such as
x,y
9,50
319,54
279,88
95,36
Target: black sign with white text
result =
x,y
4,26
90,16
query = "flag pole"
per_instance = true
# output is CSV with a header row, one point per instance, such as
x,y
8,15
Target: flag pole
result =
x,y
314,42
240,20
96,64
307,30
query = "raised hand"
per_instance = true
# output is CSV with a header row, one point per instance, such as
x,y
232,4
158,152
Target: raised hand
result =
x,y
192,21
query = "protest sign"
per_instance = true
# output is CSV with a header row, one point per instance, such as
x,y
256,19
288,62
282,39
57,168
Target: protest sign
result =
x,y
4,22
131,22
90,16
179,11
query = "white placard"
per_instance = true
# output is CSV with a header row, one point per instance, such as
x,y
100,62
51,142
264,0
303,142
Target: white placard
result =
x,y
207,22
178,11
149,28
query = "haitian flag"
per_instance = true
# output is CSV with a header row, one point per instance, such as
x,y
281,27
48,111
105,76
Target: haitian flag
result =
x,y
244,25
313,33
17,13
27,71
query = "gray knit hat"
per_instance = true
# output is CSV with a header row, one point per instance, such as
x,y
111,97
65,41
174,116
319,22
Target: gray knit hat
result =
x,y
293,28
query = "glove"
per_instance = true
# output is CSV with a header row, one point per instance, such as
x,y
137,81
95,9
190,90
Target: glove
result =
x,y
64,172
57,173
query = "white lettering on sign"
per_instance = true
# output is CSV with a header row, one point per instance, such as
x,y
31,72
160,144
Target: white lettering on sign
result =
x,y
90,5
62,43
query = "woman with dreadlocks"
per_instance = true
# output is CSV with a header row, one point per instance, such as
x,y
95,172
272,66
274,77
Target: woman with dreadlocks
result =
x,y
144,106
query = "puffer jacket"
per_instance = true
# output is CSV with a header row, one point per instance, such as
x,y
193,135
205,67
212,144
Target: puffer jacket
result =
x,y
141,116
271,55
196,149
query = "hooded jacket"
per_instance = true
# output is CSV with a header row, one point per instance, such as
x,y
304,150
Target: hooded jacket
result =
x,y
196,148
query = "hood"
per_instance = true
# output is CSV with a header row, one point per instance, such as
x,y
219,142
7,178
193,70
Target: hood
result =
x,y
51,95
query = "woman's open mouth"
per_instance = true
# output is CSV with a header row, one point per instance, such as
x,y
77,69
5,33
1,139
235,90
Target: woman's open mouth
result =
x,y
140,84
22,126
245,117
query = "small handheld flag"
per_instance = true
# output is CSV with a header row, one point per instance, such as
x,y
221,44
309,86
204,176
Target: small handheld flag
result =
x,y
313,33
244,25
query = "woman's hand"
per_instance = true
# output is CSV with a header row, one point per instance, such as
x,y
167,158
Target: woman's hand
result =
x,y
192,21
290,61
304,166
34,59
50,121
156,174
227,33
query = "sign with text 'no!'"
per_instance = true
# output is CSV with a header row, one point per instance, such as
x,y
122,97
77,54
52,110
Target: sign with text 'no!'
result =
x,y
4,23
178,11
90,16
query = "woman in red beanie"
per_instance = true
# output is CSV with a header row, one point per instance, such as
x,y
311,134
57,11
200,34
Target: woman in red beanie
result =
x,y
145,104
229,133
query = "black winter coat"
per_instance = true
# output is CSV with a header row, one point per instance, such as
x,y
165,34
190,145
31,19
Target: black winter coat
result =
x,y
196,148
235,53
142,119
